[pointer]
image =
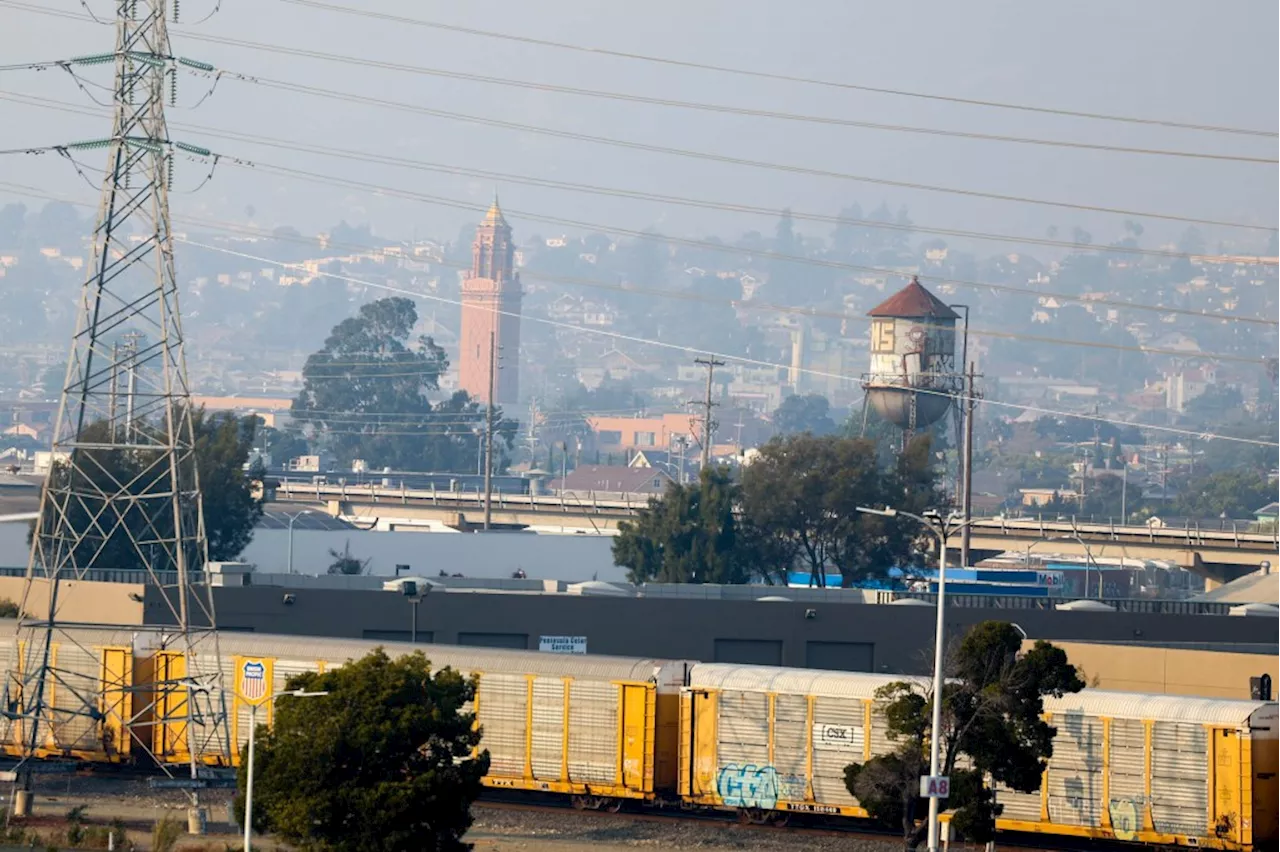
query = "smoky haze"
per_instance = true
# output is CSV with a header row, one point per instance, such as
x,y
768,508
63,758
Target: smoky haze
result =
x,y
1184,61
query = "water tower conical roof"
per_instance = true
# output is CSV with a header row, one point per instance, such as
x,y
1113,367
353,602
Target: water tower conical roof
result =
x,y
913,301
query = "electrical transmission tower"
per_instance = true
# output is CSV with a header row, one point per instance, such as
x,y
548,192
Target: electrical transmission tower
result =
x,y
123,493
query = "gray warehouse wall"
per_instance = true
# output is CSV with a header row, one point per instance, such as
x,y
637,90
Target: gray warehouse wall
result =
x,y
855,637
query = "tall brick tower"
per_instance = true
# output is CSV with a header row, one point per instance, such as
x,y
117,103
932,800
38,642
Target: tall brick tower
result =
x,y
491,304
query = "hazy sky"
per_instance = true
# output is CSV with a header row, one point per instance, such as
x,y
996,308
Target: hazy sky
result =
x,y
1185,60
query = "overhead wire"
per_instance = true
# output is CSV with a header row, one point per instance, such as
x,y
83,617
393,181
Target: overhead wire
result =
x,y
324,56
50,103
1203,435
650,235
760,255
739,161
752,305
597,51
758,74
700,351
649,196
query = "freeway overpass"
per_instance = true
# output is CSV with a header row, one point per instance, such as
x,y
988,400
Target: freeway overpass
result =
x,y
1218,555
398,507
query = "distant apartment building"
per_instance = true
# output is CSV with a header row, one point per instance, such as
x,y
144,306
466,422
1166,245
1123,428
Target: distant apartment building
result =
x,y
274,411
630,434
1045,496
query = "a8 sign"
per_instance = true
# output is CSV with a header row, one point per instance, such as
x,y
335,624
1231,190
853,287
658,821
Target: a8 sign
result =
x,y
935,786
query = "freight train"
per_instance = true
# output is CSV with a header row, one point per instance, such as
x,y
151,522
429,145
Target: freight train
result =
x,y
766,742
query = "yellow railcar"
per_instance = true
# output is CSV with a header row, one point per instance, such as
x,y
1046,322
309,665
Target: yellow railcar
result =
x,y
600,729
1156,769
1152,769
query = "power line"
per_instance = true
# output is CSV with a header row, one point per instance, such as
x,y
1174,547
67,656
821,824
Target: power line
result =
x,y
681,152
736,358
720,69
688,349
399,19
676,200
469,206
383,65
689,202
737,161
769,307
762,255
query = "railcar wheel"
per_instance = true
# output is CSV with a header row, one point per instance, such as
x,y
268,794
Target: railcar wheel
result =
x,y
611,805
780,818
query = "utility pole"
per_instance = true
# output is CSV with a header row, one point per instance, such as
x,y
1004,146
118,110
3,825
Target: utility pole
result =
x,y
494,367
971,401
708,425
113,401
130,352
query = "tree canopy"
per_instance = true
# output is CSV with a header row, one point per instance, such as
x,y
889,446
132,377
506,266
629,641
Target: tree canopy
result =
x,y
1235,493
794,509
992,724
804,413
231,512
688,536
365,395
222,445
386,761
802,494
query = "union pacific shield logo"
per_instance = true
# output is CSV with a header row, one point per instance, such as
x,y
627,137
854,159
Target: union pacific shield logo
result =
x,y
253,680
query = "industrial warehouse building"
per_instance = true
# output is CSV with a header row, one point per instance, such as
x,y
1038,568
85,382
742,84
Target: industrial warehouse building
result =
x,y
1191,648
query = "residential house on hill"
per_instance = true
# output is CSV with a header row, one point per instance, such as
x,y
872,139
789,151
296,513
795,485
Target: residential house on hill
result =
x,y
608,480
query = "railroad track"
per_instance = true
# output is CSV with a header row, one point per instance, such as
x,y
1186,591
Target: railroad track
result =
x,y
799,825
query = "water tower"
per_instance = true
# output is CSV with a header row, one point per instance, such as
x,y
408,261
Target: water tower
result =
x,y
913,376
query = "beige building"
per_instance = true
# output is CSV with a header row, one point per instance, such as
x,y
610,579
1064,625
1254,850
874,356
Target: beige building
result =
x,y
1168,671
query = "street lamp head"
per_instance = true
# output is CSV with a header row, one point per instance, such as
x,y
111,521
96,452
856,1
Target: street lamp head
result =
x,y
301,693
931,513
886,512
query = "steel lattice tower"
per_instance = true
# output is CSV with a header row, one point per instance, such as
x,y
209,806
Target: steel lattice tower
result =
x,y
123,493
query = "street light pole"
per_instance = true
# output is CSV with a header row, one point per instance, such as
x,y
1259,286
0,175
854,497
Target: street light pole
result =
x,y
942,528
293,518
253,730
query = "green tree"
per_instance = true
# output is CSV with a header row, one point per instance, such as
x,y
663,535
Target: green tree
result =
x,y
1236,493
801,494
231,512
385,761
1217,401
690,535
804,413
992,715
364,396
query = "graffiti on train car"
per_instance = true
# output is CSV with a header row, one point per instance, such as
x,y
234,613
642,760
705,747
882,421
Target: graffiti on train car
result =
x,y
1124,818
752,786
748,786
